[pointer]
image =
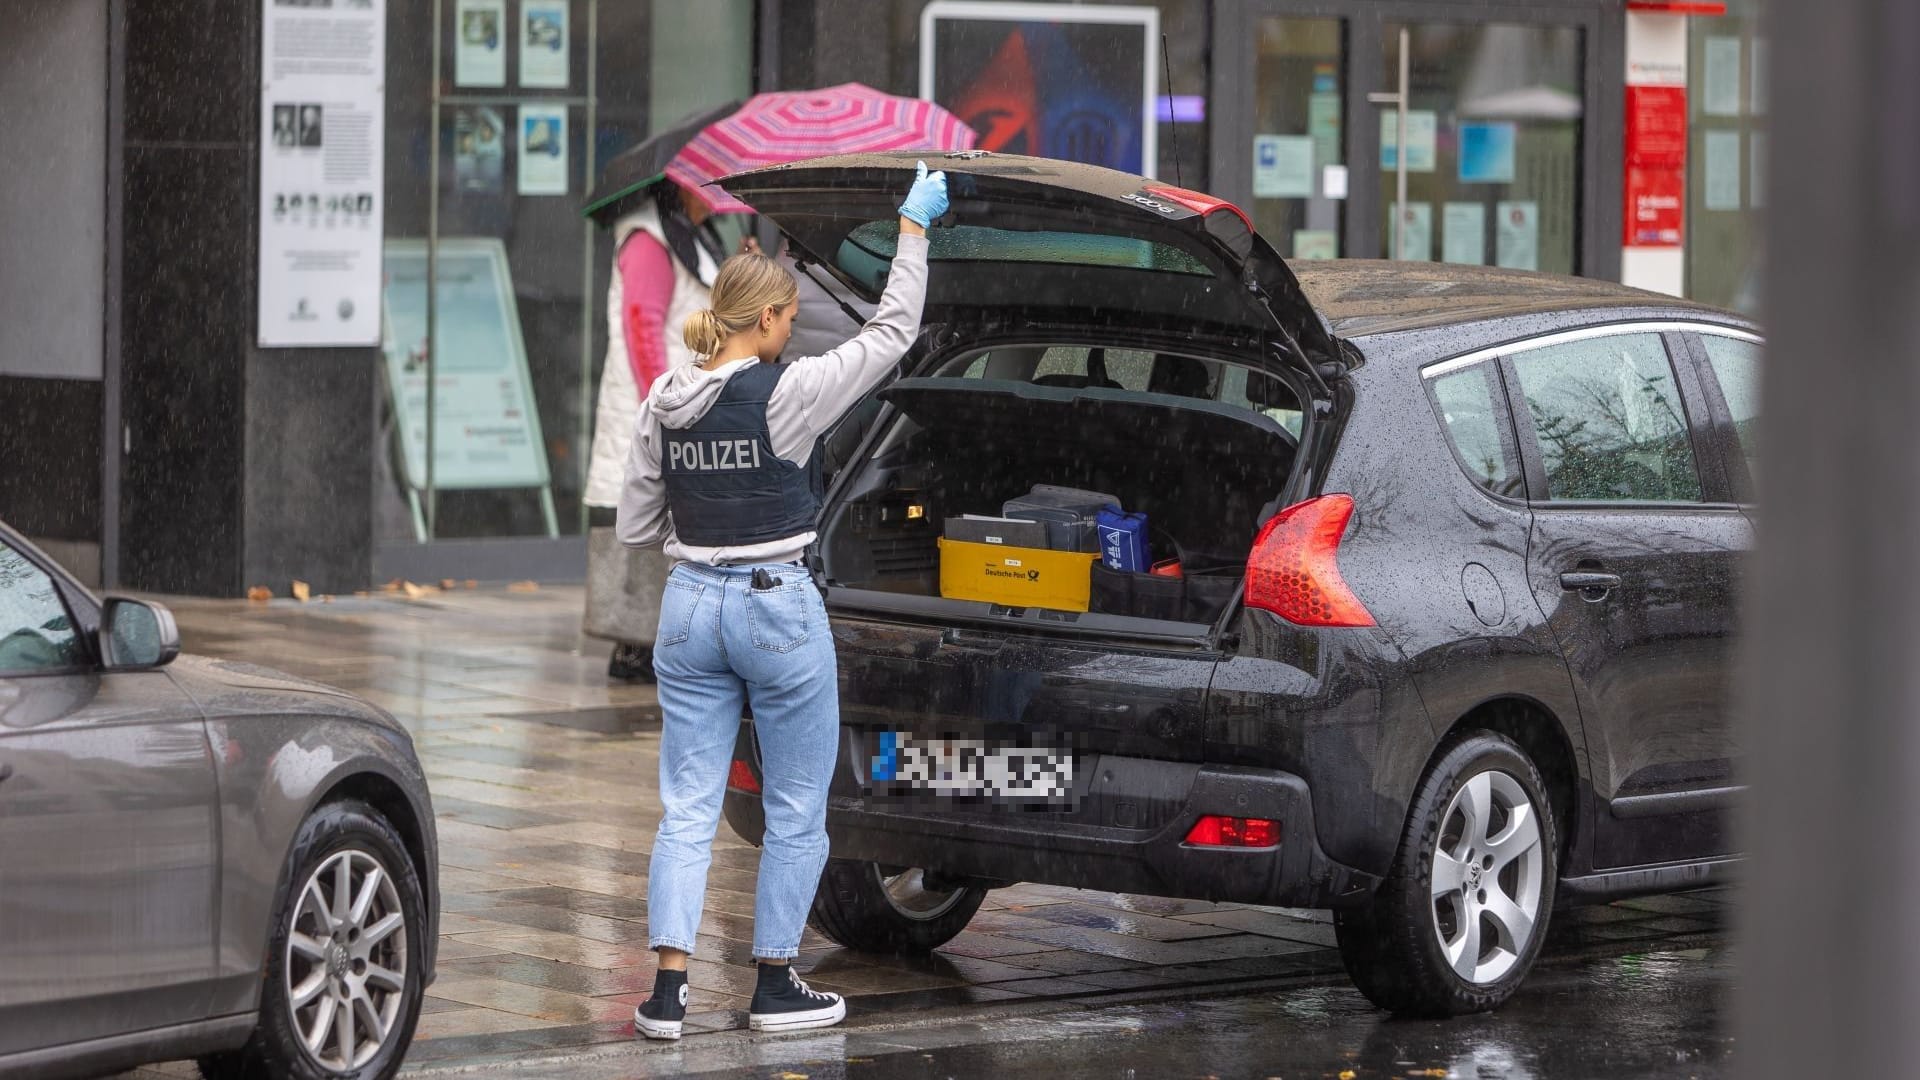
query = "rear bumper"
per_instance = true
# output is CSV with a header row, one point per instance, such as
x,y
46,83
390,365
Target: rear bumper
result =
x,y
1010,845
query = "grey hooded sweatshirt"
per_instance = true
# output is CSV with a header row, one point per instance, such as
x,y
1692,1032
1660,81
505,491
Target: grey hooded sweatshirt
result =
x,y
814,393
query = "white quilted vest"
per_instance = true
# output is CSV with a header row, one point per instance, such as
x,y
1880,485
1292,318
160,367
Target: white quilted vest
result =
x,y
619,405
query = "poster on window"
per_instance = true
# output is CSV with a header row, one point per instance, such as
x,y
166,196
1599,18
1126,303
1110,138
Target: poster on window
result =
x,y
543,44
1053,80
543,150
1517,235
486,431
322,133
480,43
1416,231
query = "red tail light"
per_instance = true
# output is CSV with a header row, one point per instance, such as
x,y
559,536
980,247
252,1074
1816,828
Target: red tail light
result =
x,y
1217,831
741,778
1293,571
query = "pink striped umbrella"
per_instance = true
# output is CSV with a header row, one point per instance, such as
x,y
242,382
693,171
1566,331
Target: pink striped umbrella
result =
x,y
779,127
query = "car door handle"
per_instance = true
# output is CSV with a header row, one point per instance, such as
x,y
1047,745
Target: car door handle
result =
x,y
1590,584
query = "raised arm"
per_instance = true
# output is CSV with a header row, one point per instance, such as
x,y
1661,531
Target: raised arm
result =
x,y
817,390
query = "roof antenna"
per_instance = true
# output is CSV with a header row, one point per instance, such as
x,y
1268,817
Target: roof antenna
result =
x,y
1173,129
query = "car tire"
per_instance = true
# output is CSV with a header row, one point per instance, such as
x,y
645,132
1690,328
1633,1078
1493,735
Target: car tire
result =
x,y
315,957
872,908
1468,865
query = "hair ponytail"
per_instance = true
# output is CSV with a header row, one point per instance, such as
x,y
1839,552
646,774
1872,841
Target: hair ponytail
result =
x,y
703,332
746,285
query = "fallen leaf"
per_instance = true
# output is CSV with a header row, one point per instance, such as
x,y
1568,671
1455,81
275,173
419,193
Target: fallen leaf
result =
x,y
259,594
326,598
793,1076
361,593
302,591
414,592
391,586
447,583
524,586
472,584
1429,1072
1348,1074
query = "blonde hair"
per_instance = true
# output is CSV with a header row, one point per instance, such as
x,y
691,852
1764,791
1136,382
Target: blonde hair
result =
x,y
747,285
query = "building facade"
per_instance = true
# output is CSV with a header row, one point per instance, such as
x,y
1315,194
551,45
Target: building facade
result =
x,y
151,440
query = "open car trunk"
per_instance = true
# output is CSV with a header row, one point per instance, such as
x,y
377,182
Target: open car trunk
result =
x,y
1204,472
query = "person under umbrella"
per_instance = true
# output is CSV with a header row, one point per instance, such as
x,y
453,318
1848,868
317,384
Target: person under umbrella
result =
x,y
665,257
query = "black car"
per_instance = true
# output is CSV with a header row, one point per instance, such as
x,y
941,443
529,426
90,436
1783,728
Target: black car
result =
x,y
1457,553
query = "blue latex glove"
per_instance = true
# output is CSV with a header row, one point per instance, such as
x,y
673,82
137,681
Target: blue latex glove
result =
x,y
927,198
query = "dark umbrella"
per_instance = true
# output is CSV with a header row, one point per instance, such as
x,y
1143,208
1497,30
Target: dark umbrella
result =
x,y
626,178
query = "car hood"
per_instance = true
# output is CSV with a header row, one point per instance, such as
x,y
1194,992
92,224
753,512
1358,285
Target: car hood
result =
x,y
235,687
1025,234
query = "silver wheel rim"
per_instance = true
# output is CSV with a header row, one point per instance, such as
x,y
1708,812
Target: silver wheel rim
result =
x,y
346,962
907,893
1487,876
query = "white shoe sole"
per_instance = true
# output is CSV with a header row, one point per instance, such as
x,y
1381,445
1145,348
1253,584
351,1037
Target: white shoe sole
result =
x,y
655,1029
799,1021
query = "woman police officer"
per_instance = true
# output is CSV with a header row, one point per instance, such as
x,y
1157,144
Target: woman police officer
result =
x,y
719,475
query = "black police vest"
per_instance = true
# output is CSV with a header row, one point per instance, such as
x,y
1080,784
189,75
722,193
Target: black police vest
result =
x,y
725,487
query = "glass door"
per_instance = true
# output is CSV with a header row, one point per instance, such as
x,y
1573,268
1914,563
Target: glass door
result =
x,y
1479,135
1299,147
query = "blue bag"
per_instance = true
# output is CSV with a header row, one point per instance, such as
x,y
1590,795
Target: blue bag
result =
x,y
1123,540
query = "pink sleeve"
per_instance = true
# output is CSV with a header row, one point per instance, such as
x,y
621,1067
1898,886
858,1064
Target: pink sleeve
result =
x,y
646,284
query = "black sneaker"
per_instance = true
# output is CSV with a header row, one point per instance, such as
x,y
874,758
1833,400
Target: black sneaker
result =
x,y
659,1016
783,1003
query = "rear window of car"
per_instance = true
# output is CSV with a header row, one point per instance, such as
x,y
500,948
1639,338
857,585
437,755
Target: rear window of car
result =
x,y
1473,414
1607,416
978,243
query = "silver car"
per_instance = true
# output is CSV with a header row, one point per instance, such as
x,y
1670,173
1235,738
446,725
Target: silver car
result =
x,y
198,858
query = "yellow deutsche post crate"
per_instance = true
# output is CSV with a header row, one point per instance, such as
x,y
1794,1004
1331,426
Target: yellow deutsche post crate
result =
x,y
1015,576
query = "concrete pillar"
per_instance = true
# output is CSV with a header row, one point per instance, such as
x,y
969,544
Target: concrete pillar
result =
x,y
1831,959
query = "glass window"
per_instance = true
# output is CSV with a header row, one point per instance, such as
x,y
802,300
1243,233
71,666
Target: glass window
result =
x,y
1137,370
1474,417
1736,366
36,633
1493,145
1609,421
1726,155
1299,88
491,165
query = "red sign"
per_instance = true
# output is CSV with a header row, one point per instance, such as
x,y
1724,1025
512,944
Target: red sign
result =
x,y
1656,206
1657,125
1656,180
1679,7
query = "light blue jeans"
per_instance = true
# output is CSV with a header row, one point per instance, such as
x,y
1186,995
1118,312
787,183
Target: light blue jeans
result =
x,y
722,643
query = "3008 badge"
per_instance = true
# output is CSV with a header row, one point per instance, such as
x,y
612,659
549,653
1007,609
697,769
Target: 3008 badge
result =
x,y
1152,203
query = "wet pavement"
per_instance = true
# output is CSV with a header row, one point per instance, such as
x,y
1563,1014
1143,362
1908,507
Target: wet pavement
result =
x,y
1645,1016
542,774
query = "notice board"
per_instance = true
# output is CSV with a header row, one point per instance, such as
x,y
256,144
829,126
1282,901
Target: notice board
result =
x,y
487,428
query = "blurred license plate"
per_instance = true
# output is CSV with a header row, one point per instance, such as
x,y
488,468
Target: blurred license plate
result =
x,y
905,764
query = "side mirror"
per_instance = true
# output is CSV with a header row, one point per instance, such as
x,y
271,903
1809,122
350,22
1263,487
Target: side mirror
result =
x,y
135,635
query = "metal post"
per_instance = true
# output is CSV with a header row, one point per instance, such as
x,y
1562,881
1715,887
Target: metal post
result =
x,y
433,279
1400,151
1398,99
583,438
1830,983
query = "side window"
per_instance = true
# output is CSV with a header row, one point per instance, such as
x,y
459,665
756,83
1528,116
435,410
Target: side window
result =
x,y
1475,420
1736,367
36,634
1608,419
